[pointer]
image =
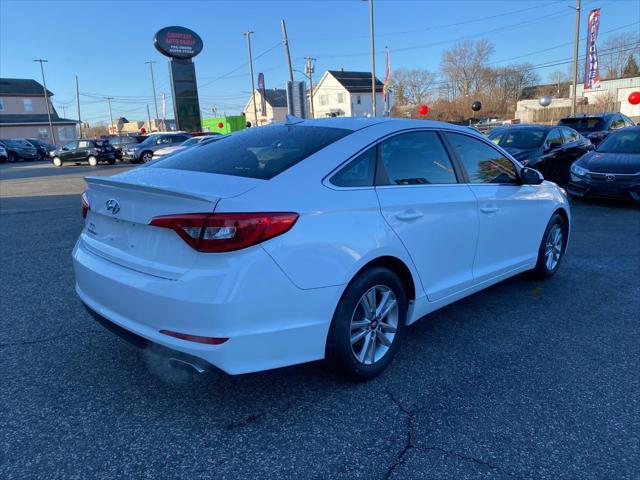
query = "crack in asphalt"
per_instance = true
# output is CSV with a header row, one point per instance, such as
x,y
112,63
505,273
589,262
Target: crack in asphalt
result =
x,y
47,339
409,445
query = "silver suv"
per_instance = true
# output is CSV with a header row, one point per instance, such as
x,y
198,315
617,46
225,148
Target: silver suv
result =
x,y
143,152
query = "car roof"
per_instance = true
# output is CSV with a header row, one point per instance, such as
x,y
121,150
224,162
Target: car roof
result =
x,y
591,115
358,123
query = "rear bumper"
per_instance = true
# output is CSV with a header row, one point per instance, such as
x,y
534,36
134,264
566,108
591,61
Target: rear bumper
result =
x,y
626,189
269,322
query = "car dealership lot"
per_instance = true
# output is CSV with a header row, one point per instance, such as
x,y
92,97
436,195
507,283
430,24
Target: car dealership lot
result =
x,y
524,380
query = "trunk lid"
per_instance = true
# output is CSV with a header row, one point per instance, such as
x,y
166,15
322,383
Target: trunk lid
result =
x,y
121,207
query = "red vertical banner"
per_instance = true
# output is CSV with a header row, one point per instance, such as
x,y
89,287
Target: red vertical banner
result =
x,y
385,88
591,72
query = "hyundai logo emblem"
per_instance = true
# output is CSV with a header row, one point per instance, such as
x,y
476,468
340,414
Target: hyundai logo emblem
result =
x,y
113,206
609,177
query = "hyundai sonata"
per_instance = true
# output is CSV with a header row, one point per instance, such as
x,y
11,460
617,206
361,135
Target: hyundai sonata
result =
x,y
310,239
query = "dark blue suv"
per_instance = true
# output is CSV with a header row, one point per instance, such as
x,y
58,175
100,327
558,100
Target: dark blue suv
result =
x,y
596,126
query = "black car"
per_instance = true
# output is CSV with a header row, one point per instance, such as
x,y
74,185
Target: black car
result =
x,y
19,149
597,126
550,150
143,152
43,148
612,170
87,150
122,141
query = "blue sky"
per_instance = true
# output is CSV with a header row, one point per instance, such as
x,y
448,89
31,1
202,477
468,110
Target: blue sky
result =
x,y
106,43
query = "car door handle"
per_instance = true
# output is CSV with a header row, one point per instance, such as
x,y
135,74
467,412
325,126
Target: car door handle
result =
x,y
409,215
489,209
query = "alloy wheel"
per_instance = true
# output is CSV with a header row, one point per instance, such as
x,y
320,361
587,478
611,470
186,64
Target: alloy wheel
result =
x,y
374,324
553,248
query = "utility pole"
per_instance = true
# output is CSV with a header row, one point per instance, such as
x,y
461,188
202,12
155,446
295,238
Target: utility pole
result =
x,y
149,118
78,102
285,40
253,87
64,111
309,69
373,61
558,78
153,89
46,98
576,41
108,99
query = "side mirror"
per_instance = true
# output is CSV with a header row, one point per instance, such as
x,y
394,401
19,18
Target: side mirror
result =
x,y
590,147
530,176
553,146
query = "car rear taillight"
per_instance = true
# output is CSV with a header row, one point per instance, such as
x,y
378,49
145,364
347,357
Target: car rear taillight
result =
x,y
225,232
85,205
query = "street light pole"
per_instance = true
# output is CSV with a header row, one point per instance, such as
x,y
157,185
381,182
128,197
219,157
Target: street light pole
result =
x,y
253,87
373,60
576,41
78,104
153,88
46,98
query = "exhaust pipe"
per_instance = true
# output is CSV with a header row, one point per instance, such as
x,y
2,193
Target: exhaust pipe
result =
x,y
191,367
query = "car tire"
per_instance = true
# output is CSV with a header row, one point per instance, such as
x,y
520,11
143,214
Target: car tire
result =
x,y
3,159
111,161
92,160
359,347
57,161
12,157
552,248
146,157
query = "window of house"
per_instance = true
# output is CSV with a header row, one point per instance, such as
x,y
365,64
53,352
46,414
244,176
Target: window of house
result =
x,y
324,100
43,133
358,100
341,97
359,172
416,158
1,105
28,105
66,133
483,163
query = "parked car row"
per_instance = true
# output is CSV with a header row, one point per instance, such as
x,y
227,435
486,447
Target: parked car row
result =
x,y
24,149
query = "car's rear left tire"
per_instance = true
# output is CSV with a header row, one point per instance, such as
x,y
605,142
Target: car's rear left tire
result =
x,y
367,325
111,161
551,248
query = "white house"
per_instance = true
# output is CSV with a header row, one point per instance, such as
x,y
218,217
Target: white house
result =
x,y
341,93
276,107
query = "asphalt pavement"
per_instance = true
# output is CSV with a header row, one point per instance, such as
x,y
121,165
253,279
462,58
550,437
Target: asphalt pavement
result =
x,y
528,379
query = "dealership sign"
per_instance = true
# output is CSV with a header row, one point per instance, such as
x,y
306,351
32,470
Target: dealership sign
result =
x,y
177,42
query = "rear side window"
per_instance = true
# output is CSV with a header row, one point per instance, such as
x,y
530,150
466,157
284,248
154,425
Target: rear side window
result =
x,y
554,138
359,172
483,163
416,158
570,135
261,152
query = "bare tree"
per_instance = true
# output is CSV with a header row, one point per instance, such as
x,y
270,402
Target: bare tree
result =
x,y
615,51
464,66
411,86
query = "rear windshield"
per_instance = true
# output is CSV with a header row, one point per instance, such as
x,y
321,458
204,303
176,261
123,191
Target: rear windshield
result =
x,y
519,138
259,152
102,143
589,124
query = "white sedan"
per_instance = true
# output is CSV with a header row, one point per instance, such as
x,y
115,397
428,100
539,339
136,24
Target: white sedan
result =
x,y
193,141
310,240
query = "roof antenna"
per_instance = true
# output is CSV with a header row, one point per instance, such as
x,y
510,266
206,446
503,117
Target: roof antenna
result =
x,y
292,119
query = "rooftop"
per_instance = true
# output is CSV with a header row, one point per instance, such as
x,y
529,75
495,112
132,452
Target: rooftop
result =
x,y
21,86
356,82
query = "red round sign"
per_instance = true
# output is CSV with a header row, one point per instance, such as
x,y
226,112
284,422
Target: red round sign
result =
x,y
423,109
634,98
220,124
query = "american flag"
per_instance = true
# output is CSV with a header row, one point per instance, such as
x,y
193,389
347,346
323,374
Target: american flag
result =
x,y
387,78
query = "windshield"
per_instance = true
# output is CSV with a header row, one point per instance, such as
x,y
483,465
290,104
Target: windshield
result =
x,y
621,142
261,152
17,143
587,124
191,141
518,138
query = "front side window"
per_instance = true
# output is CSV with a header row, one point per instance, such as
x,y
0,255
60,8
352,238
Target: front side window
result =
x,y
70,146
554,138
617,123
255,152
570,135
359,172
416,158
483,163
28,105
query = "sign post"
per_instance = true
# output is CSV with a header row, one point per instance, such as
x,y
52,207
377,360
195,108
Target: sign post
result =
x,y
181,45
